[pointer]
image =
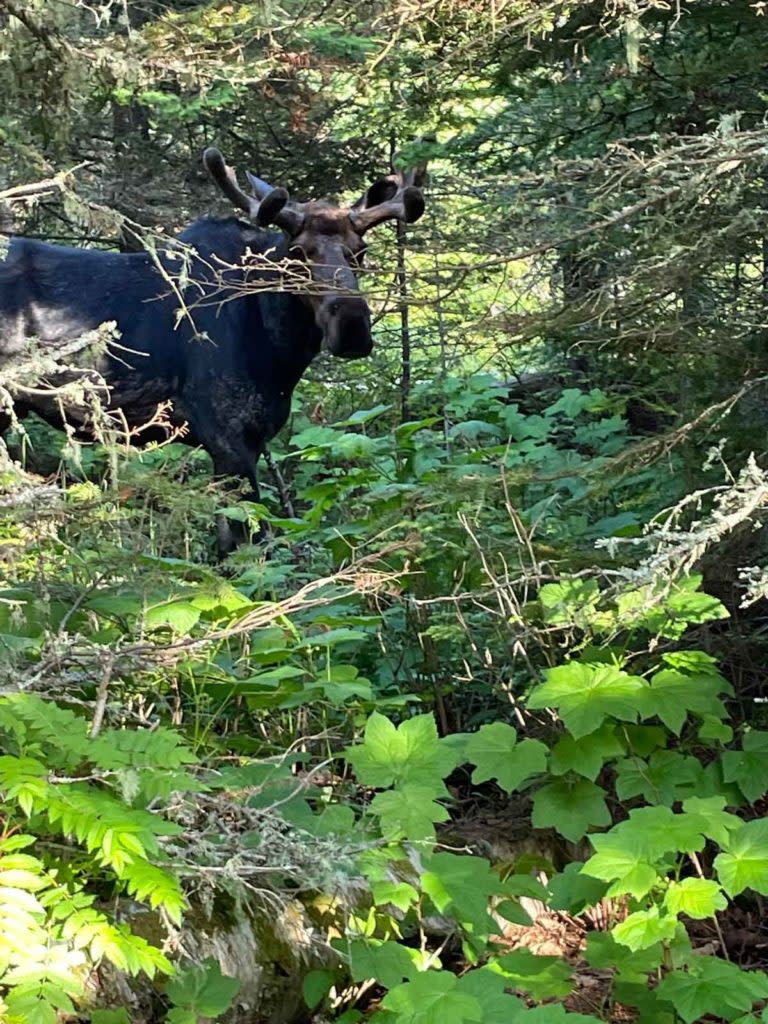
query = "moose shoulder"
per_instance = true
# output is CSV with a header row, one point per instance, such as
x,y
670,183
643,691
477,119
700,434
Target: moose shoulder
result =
x,y
228,348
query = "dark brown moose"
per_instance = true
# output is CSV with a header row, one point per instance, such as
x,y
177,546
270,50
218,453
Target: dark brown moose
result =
x,y
228,348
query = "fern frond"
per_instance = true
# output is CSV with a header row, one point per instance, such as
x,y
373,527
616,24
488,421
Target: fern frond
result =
x,y
140,748
155,886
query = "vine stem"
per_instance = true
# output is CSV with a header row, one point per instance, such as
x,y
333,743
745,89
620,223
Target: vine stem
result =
x,y
101,697
695,861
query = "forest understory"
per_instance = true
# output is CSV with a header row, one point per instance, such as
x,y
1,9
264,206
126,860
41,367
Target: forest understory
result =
x,y
470,727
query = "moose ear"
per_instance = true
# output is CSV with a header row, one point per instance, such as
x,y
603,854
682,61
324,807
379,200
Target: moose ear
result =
x,y
413,203
379,192
271,206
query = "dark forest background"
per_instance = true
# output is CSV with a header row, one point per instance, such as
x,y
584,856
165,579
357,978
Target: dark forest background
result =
x,y
478,731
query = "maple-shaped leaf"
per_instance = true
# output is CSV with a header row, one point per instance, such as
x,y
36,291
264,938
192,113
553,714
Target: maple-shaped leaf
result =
x,y
642,740
400,894
664,778
586,755
713,987
203,989
605,953
489,990
569,601
659,830
543,977
432,998
495,751
717,823
743,864
696,897
388,962
645,928
555,1013
408,813
671,695
623,860
748,767
586,694
712,728
636,993
670,614
461,886
574,891
409,753
571,807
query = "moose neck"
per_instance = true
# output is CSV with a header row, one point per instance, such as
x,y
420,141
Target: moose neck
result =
x,y
296,338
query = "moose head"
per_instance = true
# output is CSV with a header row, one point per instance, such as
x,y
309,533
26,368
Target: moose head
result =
x,y
330,241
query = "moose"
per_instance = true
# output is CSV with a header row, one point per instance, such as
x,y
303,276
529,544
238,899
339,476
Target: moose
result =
x,y
221,346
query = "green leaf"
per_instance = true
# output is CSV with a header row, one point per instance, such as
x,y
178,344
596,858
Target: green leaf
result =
x,y
574,891
748,767
333,637
555,1013
603,952
180,616
653,1010
569,601
30,1009
389,963
543,977
670,614
462,886
432,998
671,695
713,987
489,990
696,897
585,695
717,823
665,778
411,753
622,859
408,813
570,807
642,740
644,928
400,894
204,989
182,1015
316,986
571,403
660,830
336,819
628,855
743,864
497,755
363,416
712,728
587,755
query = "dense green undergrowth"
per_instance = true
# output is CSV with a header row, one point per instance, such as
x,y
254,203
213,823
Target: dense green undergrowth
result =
x,y
434,620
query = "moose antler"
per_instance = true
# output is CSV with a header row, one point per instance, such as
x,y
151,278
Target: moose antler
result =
x,y
394,197
267,205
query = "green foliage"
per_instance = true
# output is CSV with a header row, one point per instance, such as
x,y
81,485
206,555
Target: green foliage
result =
x,y
200,992
42,795
538,634
712,986
497,755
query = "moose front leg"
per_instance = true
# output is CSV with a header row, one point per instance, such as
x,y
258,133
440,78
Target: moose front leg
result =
x,y
235,462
